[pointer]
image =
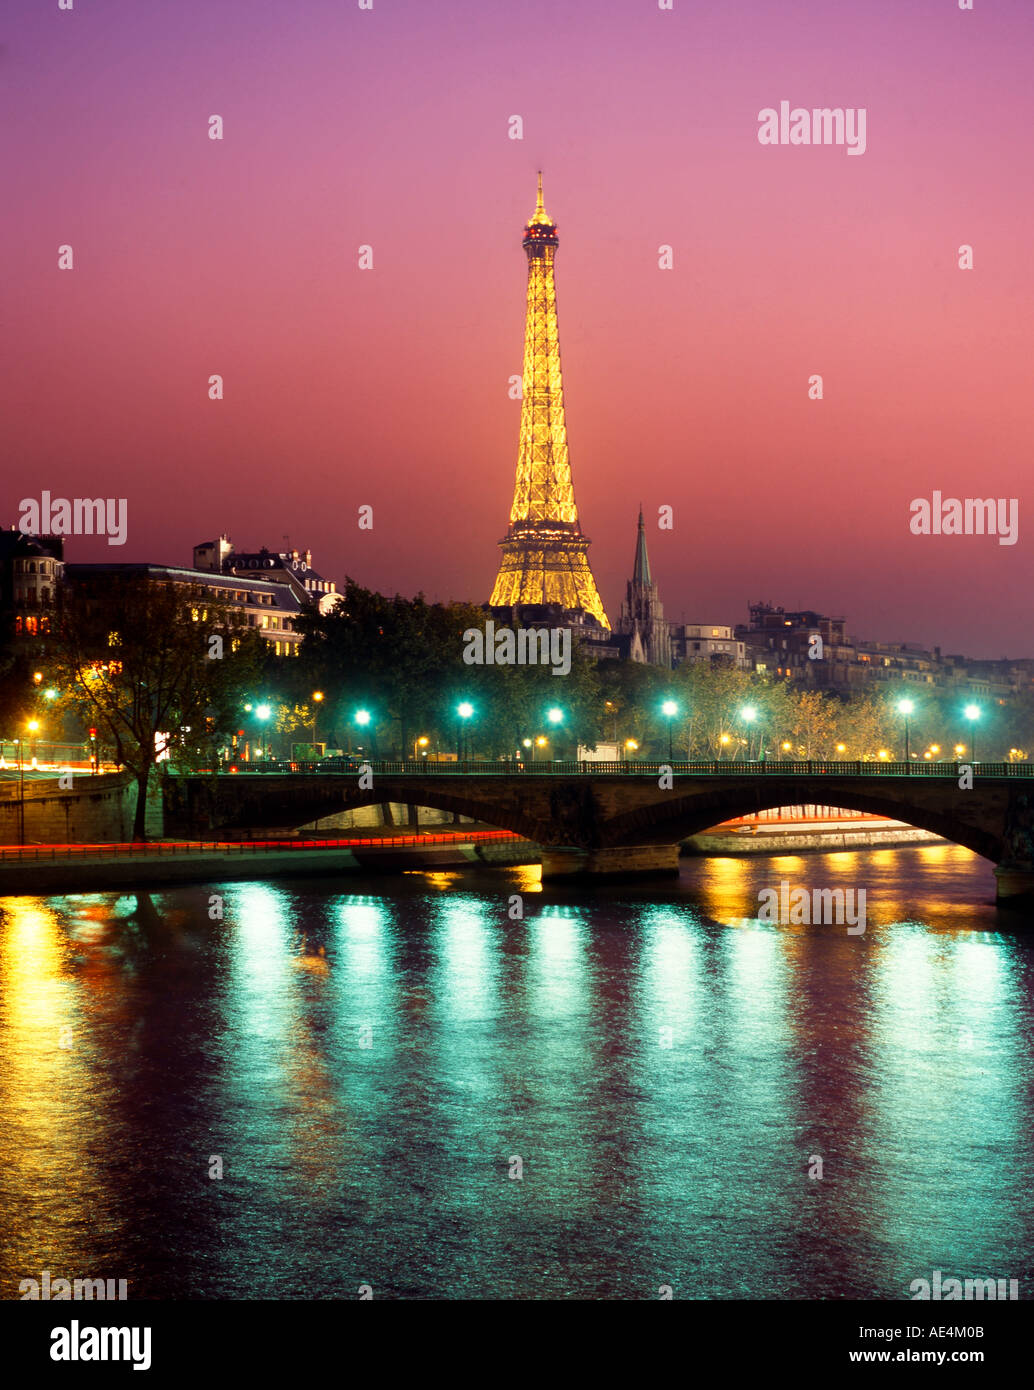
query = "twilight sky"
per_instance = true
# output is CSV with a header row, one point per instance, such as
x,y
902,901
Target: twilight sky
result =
x,y
389,387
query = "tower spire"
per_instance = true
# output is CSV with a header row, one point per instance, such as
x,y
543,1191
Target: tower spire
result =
x,y
641,568
540,218
642,613
545,555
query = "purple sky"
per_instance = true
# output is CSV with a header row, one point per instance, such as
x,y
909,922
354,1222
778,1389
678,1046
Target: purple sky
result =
x,y
686,387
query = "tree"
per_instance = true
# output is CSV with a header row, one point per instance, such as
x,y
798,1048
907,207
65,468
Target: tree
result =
x,y
160,667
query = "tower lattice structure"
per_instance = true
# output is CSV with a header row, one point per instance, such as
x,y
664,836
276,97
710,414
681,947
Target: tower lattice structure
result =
x,y
545,555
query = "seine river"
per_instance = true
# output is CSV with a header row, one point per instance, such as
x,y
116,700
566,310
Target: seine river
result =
x,y
622,1091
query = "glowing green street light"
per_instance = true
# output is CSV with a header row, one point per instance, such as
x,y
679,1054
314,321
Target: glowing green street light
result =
x,y
906,707
363,718
972,713
670,709
749,715
464,709
555,716
262,712
50,694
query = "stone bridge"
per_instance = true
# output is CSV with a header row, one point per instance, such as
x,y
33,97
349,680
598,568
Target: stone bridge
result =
x,y
599,819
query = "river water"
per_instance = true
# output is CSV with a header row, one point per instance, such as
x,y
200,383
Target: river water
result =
x,y
408,1088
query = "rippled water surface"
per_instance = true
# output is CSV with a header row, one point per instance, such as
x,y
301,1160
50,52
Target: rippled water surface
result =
x,y
624,1089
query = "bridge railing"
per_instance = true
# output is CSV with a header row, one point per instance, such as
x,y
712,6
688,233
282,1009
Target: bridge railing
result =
x,y
350,767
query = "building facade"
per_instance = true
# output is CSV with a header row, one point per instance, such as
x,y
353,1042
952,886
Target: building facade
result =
x,y
290,567
31,571
272,609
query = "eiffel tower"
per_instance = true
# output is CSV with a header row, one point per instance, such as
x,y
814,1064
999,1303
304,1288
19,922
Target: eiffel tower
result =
x,y
545,555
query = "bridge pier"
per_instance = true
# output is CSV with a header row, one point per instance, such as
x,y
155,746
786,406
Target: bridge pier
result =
x,y
622,861
1014,885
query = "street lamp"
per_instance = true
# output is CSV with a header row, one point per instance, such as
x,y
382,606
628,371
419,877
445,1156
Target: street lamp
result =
x,y
972,713
540,742
906,707
669,709
317,696
421,743
631,747
362,718
555,717
262,712
464,709
33,728
749,714
21,793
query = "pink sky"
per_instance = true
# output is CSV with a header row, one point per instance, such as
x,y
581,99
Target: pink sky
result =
x,y
388,387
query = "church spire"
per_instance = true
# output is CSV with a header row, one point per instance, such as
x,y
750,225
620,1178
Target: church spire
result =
x,y
641,568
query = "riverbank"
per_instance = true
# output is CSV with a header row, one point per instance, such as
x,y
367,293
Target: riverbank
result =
x,y
821,839
106,868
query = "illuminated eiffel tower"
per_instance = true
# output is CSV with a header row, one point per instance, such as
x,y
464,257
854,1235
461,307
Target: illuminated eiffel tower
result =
x,y
545,555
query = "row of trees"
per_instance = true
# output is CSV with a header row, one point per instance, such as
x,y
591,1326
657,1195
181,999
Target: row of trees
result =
x,y
162,677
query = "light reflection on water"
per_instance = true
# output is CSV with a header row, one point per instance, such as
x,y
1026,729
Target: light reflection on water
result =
x,y
370,1067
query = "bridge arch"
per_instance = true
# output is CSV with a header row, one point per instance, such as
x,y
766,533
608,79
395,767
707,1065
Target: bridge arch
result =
x,y
678,817
289,802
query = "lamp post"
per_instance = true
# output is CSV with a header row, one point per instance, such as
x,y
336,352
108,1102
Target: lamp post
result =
x,y
317,696
21,795
464,709
362,719
972,713
262,713
555,717
420,748
669,709
749,715
906,707
630,747
33,728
